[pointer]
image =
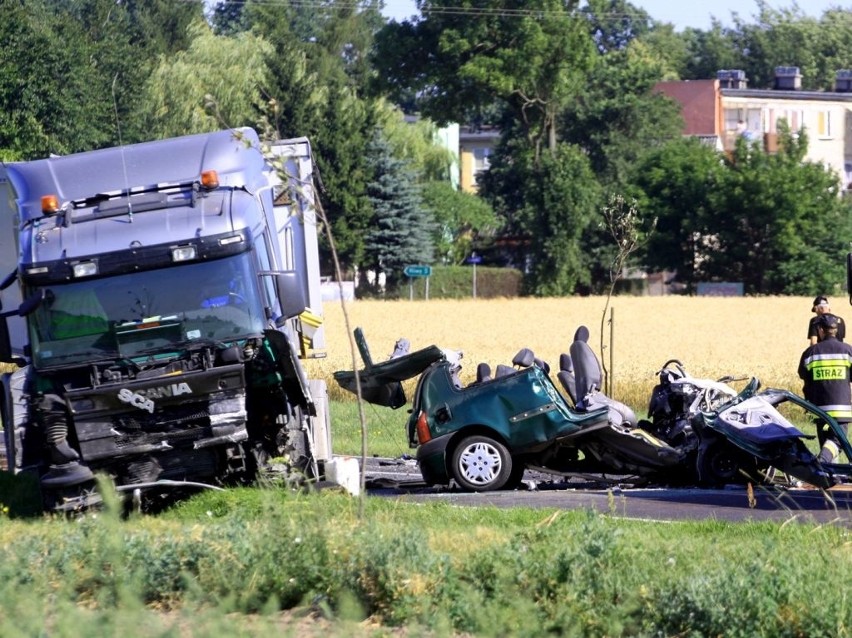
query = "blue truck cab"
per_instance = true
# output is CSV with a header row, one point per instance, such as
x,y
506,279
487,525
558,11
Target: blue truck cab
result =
x,y
157,301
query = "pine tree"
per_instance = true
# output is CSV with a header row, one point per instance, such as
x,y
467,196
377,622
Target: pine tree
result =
x,y
401,227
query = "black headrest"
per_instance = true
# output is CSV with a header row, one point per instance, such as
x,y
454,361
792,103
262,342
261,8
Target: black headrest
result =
x,y
483,372
565,362
582,334
525,358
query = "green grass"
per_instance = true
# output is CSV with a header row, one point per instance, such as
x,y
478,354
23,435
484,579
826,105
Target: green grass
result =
x,y
386,433
248,560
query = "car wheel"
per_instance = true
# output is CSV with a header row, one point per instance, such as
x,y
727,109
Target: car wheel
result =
x,y
720,463
481,464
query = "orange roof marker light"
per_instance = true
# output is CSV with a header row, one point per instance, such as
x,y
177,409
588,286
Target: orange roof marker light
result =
x,y
50,204
210,179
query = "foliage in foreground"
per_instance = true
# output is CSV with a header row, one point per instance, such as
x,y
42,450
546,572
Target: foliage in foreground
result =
x,y
247,554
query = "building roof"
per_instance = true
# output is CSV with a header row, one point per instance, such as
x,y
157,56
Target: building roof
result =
x,y
775,94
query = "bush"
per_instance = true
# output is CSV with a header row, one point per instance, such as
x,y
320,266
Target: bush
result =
x,y
251,554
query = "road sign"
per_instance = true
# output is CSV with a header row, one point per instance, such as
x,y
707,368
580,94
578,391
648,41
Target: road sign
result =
x,y
417,271
474,259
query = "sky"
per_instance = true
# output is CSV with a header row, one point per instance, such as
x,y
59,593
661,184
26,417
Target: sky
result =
x,y
681,13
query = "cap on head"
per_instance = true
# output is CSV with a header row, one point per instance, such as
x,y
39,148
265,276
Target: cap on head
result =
x,y
828,321
819,301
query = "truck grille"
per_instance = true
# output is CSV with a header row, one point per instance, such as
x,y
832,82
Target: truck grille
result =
x,y
176,424
190,425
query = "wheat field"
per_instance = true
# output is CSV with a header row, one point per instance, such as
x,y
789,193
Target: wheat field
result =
x,y
712,336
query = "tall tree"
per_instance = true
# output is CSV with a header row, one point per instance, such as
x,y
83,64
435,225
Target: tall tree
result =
x,y
780,38
162,26
341,149
125,42
784,37
315,92
228,18
52,100
401,230
218,82
773,222
416,140
547,205
614,24
618,117
529,56
780,225
461,219
676,182
708,52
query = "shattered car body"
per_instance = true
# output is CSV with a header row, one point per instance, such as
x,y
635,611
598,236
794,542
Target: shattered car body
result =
x,y
750,431
482,436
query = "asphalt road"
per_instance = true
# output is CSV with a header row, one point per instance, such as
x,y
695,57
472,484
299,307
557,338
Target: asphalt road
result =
x,y
400,478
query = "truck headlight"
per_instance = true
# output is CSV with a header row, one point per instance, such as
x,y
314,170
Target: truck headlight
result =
x,y
85,269
183,253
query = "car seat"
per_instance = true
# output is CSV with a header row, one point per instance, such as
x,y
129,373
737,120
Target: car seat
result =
x,y
588,379
483,373
503,370
566,376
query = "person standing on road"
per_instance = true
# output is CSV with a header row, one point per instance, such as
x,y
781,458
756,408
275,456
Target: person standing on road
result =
x,y
820,307
825,369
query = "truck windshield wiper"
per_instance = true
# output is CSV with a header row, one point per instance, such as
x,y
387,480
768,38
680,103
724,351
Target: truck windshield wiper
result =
x,y
81,357
179,347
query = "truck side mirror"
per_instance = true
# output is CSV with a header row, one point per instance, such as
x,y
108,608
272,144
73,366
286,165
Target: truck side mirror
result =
x,y
6,355
7,281
291,294
5,343
27,306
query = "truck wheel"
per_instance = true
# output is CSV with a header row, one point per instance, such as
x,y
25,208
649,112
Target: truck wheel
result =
x,y
481,464
720,463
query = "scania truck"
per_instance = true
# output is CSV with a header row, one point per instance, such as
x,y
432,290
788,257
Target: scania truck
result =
x,y
158,300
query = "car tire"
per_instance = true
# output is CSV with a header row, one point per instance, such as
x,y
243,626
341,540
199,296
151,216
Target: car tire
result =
x,y
719,463
481,464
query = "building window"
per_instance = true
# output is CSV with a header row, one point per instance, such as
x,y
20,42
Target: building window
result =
x,y
741,120
793,117
481,161
824,124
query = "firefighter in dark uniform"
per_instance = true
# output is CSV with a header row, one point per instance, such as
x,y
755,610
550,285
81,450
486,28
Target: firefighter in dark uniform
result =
x,y
822,307
825,369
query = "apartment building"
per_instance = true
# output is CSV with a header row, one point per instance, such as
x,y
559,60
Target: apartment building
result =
x,y
725,108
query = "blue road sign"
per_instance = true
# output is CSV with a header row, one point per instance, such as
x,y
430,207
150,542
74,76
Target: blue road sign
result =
x,y
417,271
